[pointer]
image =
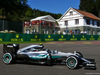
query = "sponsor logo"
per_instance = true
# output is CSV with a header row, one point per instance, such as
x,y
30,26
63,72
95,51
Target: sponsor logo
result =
x,y
83,38
49,38
17,38
73,39
92,38
35,38
62,38
0,39
99,38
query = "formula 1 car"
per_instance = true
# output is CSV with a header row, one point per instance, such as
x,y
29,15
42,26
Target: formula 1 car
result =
x,y
37,54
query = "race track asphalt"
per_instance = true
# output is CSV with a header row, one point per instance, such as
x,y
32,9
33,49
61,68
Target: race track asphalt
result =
x,y
88,50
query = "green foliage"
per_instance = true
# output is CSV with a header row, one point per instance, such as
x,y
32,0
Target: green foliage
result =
x,y
1,11
97,2
87,5
92,6
13,9
97,7
18,10
29,13
38,13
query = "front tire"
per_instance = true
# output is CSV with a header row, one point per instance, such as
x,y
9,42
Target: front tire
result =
x,y
79,54
8,58
72,62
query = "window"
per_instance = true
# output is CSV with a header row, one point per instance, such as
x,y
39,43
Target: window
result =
x,y
98,24
66,23
71,13
88,21
93,22
76,21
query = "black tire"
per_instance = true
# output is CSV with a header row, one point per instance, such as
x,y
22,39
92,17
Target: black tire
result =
x,y
72,62
79,54
8,58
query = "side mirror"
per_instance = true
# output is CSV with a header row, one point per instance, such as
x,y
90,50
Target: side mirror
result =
x,y
55,51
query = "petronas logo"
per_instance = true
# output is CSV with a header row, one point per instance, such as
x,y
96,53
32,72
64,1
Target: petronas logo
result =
x,y
17,35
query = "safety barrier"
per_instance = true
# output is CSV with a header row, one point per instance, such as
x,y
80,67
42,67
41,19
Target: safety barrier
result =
x,y
8,37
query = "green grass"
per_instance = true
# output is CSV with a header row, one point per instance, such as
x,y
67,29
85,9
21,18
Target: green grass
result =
x,y
19,42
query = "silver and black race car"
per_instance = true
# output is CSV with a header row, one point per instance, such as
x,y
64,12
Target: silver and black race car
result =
x,y
37,54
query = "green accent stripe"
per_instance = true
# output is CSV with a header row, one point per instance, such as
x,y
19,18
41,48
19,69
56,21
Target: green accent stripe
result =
x,y
39,57
71,59
5,58
36,58
56,56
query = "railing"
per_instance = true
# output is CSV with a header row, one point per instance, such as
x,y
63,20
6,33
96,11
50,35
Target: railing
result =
x,y
7,37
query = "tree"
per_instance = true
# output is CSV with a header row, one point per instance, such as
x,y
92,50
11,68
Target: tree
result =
x,y
59,15
29,13
97,4
1,11
13,6
92,6
87,5
17,10
37,13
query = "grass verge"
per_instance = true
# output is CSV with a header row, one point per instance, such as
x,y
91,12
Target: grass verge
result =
x,y
19,42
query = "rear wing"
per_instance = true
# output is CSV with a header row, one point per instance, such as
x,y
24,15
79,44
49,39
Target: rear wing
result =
x,y
10,48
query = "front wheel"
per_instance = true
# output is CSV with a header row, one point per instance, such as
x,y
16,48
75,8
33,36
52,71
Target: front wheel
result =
x,y
8,58
79,54
72,62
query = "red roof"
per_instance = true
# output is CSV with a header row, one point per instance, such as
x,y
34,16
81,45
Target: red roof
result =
x,y
86,14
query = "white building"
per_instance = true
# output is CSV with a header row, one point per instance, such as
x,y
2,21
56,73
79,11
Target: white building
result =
x,y
75,21
40,25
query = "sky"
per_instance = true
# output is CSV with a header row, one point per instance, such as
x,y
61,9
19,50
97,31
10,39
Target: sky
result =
x,y
54,6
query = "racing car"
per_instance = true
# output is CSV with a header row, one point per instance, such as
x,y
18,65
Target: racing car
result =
x,y
37,54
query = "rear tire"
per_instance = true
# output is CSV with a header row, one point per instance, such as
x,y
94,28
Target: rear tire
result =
x,y
8,58
72,62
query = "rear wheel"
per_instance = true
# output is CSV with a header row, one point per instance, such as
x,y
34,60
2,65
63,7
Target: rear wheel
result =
x,y
72,62
8,58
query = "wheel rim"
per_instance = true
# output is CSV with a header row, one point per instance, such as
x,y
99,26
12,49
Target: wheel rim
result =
x,y
71,62
7,58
